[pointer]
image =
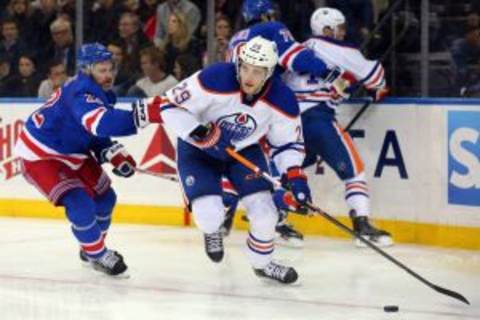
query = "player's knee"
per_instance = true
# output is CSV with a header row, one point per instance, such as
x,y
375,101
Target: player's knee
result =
x,y
79,207
344,170
208,212
261,212
105,202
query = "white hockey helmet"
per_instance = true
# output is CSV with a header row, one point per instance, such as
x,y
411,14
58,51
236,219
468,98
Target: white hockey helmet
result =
x,y
325,17
260,52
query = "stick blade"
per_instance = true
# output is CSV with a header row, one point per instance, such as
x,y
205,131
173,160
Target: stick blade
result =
x,y
451,293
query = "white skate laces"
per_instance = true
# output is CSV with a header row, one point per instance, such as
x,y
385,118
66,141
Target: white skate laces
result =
x,y
277,272
109,259
214,246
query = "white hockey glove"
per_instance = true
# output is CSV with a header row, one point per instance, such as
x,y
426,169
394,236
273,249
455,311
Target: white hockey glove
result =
x,y
340,81
146,111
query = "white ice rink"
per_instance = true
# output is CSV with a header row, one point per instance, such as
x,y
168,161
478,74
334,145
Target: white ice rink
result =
x,y
171,278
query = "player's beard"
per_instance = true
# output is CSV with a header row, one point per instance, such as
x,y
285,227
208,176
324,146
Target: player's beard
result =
x,y
107,84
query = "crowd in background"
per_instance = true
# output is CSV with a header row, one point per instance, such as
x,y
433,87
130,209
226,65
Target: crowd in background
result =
x,y
156,43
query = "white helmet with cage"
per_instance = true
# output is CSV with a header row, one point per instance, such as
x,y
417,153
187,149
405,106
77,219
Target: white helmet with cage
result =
x,y
260,52
326,17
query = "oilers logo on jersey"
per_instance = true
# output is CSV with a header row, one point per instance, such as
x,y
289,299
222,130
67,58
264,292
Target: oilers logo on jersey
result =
x,y
239,125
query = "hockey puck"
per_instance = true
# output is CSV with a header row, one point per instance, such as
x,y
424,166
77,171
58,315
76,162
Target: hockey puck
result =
x,y
390,308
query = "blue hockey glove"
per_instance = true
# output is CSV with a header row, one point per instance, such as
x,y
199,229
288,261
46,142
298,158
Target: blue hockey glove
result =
x,y
285,201
213,140
296,182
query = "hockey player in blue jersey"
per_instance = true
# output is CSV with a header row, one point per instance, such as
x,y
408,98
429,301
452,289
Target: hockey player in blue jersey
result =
x,y
64,143
323,135
236,105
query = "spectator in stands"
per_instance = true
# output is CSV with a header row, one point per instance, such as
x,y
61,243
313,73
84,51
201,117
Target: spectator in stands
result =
x,y
228,8
26,82
466,56
147,9
101,22
132,6
223,33
66,9
11,46
42,17
185,66
223,27
57,75
132,39
124,77
156,80
179,40
63,46
5,75
20,11
164,11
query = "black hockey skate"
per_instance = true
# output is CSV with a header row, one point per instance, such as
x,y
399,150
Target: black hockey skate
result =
x,y
287,236
214,246
83,257
278,272
111,263
362,226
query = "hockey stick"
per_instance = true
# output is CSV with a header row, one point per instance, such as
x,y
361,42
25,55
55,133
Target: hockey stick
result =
x,y
340,225
159,175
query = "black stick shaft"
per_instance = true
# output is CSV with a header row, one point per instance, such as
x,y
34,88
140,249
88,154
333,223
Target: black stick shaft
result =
x,y
439,289
255,169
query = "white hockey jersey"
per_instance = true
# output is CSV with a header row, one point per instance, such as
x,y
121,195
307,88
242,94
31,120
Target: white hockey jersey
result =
x,y
311,91
214,95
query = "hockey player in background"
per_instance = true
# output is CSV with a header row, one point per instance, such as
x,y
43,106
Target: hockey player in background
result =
x,y
64,143
260,18
323,135
236,105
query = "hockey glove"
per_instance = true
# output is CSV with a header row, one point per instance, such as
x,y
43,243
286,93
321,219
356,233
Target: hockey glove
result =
x,y
146,111
284,200
296,182
340,83
123,163
379,94
213,140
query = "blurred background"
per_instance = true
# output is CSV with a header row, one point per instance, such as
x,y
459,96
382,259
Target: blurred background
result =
x,y
430,48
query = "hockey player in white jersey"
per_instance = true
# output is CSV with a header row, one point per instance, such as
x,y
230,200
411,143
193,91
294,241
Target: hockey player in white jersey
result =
x,y
323,135
235,105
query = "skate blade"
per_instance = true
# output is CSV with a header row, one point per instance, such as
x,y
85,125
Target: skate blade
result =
x,y
290,242
382,242
121,276
85,264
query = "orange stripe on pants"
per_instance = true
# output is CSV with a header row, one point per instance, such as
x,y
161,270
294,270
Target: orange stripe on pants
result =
x,y
357,162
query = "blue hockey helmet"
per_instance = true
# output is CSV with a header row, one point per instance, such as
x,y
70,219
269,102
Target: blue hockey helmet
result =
x,y
254,9
91,53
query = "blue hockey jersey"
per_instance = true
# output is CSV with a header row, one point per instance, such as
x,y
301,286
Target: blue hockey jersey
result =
x,y
292,55
78,119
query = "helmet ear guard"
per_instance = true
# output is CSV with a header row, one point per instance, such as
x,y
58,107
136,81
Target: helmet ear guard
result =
x,y
326,18
259,52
